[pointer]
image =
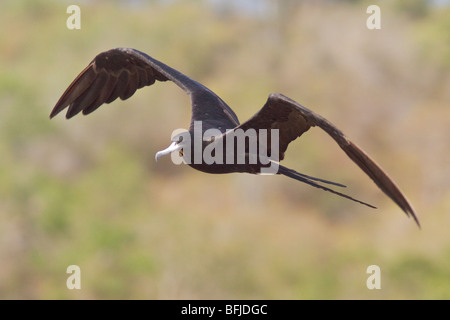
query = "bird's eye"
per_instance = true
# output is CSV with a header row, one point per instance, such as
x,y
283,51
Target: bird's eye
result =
x,y
178,138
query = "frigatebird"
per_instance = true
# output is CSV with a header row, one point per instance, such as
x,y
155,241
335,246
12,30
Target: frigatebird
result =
x,y
120,72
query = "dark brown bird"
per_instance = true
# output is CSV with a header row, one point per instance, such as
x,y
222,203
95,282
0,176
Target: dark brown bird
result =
x,y
120,72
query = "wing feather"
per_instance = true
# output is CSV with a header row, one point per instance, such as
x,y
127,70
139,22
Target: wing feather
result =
x,y
293,120
119,72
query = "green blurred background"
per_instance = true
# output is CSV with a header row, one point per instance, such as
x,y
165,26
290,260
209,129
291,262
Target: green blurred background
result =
x,y
88,191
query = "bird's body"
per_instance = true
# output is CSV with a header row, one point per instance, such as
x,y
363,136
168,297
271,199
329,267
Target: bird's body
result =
x,y
216,141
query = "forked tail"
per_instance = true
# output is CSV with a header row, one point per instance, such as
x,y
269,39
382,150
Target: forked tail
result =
x,y
311,181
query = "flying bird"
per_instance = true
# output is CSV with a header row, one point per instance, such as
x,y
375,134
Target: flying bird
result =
x,y
120,72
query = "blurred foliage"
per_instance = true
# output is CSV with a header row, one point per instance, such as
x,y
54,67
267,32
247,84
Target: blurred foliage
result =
x,y
434,36
87,191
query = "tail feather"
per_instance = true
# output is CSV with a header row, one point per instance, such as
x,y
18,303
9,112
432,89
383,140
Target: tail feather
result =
x,y
295,173
309,180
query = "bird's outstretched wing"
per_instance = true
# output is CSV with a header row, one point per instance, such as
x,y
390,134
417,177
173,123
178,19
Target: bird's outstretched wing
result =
x,y
120,72
292,120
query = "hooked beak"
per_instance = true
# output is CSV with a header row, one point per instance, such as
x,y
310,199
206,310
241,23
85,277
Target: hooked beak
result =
x,y
174,146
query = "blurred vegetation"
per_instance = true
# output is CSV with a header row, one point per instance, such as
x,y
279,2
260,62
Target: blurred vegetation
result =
x,y
88,192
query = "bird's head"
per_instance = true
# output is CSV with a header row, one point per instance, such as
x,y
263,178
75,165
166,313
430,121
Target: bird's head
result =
x,y
179,141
